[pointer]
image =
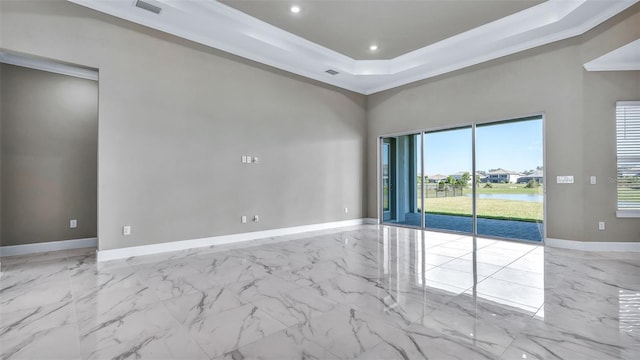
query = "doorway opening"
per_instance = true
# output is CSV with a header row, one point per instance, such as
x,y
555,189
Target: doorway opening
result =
x,y
48,155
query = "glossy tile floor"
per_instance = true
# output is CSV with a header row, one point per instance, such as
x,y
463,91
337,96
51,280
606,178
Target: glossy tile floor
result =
x,y
366,292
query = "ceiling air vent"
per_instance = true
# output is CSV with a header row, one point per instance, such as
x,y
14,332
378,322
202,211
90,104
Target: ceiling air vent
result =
x,y
332,72
149,7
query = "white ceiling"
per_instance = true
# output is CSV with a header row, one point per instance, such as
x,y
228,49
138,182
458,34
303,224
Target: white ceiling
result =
x,y
214,24
396,26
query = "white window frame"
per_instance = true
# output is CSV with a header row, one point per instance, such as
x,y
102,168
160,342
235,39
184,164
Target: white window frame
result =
x,y
627,151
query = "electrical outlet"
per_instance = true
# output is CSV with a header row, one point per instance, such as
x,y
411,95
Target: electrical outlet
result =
x,y
73,223
256,218
601,225
243,219
244,159
346,210
593,180
126,230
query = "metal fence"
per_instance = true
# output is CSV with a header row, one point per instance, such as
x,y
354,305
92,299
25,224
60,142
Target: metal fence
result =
x,y
443,190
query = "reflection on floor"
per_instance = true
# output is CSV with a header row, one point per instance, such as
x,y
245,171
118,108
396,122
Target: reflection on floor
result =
x,y
366,292
510,229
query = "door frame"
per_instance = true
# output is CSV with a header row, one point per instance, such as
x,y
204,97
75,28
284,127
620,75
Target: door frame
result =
x,y
388,214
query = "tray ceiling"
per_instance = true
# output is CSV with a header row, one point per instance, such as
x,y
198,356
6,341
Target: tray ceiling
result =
x,y
215,24
395,26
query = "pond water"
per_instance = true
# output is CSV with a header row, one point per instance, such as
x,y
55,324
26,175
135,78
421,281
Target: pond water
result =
x,y
517,197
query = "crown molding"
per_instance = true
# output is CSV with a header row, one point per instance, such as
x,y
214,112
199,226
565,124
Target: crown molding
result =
x,y
624,58
31,62
219,26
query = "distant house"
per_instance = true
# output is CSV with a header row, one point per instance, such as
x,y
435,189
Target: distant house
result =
x,y
437,178
459,175
536,175
502,176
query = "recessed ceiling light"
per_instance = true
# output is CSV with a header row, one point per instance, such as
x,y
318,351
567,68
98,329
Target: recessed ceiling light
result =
x,y
295,9
373,47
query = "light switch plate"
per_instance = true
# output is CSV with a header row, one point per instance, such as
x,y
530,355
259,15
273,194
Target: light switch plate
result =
x,y
593,180
126,230
73,223
565,179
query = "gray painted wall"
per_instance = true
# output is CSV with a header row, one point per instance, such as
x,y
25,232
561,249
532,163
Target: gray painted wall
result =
x,y
175,119
579,110
49,156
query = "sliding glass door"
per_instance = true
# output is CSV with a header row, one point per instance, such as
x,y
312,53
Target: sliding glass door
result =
x,y
448,200
481,179
509,198
400,179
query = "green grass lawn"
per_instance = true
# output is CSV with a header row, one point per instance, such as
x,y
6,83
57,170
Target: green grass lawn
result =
x,y
487,208
495,189
448,204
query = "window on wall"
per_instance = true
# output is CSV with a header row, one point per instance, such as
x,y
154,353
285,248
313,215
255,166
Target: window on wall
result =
x,y
628,158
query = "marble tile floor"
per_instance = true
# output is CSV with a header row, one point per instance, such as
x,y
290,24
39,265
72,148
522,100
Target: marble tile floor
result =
x,y
365,292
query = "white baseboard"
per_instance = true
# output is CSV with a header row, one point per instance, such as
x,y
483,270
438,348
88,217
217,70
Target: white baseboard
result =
x,y
13,250
123,253
371,221
593,246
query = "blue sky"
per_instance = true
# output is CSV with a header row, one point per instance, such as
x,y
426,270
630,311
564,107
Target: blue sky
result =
x,y
513,146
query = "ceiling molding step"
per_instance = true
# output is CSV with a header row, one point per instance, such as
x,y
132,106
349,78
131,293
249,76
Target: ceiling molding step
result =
x,y
219,26
47,65
625,58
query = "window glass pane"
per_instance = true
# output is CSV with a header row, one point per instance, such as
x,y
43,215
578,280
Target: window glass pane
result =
x,y
628,154
400,186
448,198
509,196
